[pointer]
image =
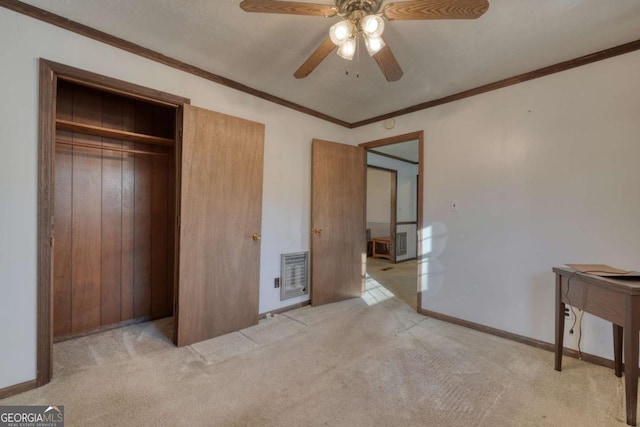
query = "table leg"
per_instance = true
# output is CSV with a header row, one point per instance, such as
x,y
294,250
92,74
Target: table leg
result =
x,y
617,349
630,335
559,323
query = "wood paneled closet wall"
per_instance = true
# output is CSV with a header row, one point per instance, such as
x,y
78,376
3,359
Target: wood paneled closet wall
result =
x,y
147,207
114,218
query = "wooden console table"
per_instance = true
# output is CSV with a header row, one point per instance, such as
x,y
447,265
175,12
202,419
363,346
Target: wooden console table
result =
x,y
615,300
382,247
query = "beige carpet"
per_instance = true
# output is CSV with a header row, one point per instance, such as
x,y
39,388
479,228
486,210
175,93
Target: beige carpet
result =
x,y
400,278
362,362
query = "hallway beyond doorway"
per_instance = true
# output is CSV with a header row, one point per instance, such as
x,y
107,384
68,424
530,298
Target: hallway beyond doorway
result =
x,y
399,278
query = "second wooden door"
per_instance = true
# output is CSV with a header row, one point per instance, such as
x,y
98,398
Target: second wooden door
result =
x,y
338,246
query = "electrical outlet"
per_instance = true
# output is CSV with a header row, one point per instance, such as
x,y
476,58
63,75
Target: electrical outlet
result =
x,y
568,314
276,282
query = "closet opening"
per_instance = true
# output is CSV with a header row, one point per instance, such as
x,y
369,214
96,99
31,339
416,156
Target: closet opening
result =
x,y
108,206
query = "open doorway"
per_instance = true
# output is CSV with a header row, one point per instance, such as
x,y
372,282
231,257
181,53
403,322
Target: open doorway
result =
x,y
381,209
393,215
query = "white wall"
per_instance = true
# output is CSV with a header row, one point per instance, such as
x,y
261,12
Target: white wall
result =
x,y
407,193
546,172
378,201
286,191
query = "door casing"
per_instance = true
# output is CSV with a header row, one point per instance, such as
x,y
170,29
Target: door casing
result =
x,y
413,136
50,72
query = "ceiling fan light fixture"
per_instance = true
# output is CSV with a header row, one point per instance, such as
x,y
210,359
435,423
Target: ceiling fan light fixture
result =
x,y
347,49
367,17
341,32
372,26
374,44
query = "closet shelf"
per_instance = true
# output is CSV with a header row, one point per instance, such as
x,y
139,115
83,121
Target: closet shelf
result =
x,y
70,143
112,133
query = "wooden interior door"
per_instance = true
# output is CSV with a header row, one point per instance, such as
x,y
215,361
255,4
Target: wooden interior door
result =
x,y
338,246
221,210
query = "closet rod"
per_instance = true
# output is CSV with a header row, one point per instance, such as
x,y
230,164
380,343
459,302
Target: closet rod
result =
x,y
101,147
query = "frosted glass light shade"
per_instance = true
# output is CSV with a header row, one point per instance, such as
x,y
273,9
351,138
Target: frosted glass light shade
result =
x,y
347,49
341,32
372,26
374,44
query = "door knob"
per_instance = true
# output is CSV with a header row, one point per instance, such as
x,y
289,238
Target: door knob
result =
x,y
256,236
317,231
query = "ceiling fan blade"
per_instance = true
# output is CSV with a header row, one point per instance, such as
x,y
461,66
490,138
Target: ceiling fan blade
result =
x,y
388,64
315,59
435,9
288,8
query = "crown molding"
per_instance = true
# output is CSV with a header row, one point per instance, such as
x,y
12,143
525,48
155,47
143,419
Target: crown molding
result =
x,y
75,27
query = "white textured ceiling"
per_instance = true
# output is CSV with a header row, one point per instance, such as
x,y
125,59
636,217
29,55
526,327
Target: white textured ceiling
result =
x,y
439,58
404,150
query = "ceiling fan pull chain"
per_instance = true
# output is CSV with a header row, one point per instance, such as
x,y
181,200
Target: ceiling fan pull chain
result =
x,y
357,56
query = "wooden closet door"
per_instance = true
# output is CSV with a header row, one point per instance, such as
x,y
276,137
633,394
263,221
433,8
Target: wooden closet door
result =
x,y
221,209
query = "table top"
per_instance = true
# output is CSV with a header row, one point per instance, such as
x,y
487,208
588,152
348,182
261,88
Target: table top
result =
x,y
628,285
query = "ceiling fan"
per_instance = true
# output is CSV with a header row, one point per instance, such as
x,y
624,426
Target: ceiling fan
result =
x,y
366,17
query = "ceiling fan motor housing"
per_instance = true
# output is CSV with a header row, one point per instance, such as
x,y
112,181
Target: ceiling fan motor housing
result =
x,y
363,7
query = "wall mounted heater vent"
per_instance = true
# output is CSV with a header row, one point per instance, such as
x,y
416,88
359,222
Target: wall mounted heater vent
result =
x,y
294,272
401,243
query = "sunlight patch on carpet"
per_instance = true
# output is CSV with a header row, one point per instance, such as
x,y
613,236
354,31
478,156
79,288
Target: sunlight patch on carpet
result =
x,y
375,292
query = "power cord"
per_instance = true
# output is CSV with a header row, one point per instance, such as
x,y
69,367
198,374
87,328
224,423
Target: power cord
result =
x,y
575,317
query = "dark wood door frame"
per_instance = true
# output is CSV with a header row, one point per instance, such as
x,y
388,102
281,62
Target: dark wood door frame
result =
x,y
50,72
394,208
407,137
